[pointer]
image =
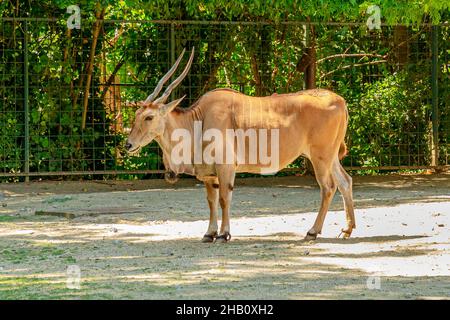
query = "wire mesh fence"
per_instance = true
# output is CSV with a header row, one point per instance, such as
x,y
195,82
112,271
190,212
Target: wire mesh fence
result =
x,y
66,95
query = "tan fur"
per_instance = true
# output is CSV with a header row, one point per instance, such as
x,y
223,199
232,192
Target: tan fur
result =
x,y
311,123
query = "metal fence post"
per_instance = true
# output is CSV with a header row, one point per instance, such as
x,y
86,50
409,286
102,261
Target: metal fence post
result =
x,y
435,95
26,105
172,44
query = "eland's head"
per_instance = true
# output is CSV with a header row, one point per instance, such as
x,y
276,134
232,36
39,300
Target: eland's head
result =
x,y
149,121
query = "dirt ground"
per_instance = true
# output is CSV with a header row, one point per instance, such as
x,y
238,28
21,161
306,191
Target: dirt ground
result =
x,y
142,240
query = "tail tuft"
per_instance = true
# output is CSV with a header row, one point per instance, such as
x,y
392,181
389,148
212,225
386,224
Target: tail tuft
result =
x,y
342,150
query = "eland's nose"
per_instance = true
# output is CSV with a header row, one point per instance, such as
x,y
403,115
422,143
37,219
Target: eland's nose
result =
x,y
128,146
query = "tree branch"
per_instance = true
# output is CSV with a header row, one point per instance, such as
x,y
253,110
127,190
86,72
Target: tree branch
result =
x,y
112,76
353,65
352,55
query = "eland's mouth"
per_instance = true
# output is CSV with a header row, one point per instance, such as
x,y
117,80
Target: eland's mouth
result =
x,y
135,150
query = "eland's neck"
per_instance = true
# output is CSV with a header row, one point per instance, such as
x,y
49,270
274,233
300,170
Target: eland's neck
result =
x,y
177,120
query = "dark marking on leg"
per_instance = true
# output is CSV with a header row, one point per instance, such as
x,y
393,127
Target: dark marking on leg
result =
x,y
230,187
209,237
223,237
215,185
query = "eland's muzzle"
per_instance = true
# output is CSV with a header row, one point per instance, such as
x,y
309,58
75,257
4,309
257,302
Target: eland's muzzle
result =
x,y
128,146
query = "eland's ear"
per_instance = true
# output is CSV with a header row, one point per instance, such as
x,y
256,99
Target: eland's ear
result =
x,y
166,108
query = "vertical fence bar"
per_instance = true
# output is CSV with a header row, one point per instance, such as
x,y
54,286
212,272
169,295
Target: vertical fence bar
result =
x,y
435,95
172,44
25,101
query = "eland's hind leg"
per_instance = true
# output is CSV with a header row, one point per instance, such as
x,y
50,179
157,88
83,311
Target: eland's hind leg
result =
x,y
344,184
327,185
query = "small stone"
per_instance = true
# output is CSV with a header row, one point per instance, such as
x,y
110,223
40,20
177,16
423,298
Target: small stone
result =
x,y
4,205
26,211
436,214
306,253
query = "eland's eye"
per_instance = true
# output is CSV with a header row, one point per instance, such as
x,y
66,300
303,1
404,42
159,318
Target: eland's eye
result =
x,y
149,118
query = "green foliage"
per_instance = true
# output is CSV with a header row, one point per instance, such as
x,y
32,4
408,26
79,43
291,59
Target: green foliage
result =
x,y
389,108
22,255
392,11
390,114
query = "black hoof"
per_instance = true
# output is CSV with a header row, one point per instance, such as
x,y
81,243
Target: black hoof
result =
x,y
346,233
223,238
310,236
171,177
208,238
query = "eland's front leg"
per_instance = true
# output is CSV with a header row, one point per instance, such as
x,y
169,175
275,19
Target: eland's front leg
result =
x,y
226,175
212,194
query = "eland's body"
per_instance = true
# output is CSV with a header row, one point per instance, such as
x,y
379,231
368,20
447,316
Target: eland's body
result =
x,y
310,123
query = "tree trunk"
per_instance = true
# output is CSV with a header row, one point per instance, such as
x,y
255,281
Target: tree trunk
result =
x,y
401,45
90,67
310,78
256,75
310,71
265,55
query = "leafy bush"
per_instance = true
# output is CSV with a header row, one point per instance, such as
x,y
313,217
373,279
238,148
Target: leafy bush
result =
x,y
389,123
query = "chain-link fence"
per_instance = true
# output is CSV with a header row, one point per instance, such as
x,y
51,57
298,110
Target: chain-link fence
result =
x,y
66,94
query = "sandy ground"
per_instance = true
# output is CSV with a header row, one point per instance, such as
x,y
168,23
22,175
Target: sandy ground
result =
x,y
142,240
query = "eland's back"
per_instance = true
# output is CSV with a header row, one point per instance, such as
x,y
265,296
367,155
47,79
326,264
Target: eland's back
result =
x,y
307,120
